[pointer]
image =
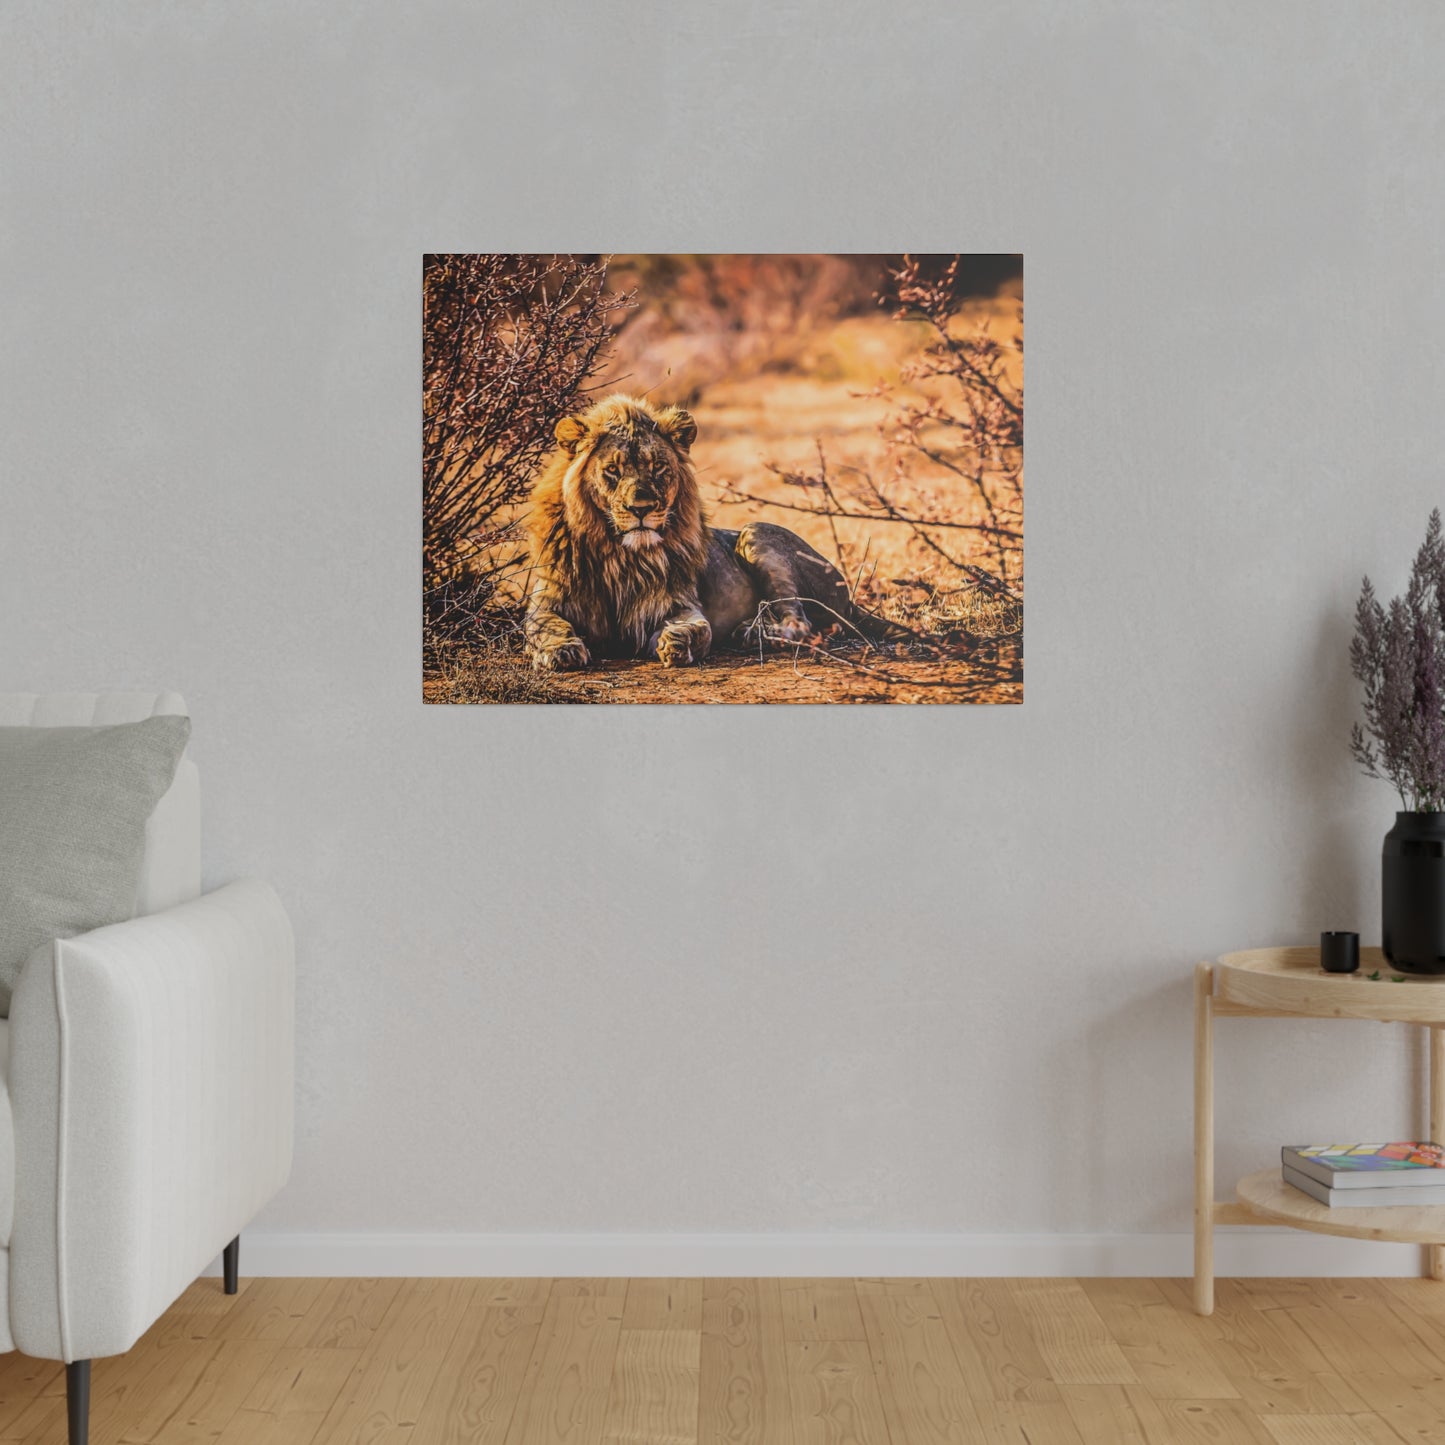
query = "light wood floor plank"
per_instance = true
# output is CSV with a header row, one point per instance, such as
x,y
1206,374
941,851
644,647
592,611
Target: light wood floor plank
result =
x,y
1330,1430
44,1421
1276,1293
230,1375
1280,1325
205,1298
595,1288
1421,1311
821,1309
654,1388
1201,1422
917,1287
513,1291
663,1304
570,1376
1268,1375
1106,1414
1359,1305
289,1401
398,1368
477,1389
1074,1342
23,1381
925,1397
996,1351
178,1369
743,1375
270,1309
1165,1346
1028,1422
1319,1326
347,1316
1414,1408
834,1394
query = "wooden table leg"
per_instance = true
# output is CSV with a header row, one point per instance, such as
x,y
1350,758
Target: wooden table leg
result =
x,y
1435,1253
1204,1138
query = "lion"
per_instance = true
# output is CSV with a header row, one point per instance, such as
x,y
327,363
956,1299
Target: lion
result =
x,y
627,565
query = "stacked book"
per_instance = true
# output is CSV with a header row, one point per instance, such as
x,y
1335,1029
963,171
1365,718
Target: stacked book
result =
x,y
1367,1176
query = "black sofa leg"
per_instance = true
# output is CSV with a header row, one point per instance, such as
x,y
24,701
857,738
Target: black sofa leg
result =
x,y
77,1401
231,1264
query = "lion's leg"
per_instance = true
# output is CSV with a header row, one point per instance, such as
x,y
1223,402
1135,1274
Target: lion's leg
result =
x,y
683,638
788,573
554,646
551,639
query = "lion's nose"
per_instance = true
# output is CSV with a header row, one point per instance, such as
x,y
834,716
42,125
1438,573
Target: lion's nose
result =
x,y
641,509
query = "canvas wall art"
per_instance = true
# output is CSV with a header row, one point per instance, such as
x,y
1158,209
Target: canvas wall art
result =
x,y
722,478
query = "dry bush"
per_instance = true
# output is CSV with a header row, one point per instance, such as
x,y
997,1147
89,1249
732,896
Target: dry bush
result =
x,y
510,343
971,423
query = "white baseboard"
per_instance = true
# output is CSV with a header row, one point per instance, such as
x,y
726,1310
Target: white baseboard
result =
x,y
1240,1252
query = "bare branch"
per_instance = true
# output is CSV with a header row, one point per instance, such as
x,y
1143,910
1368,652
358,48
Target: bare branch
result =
x,y
509,345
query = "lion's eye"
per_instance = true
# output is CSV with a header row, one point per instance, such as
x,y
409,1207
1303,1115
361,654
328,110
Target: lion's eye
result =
x,y
610,475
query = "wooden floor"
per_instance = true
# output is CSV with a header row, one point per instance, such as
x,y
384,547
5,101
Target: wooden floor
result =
x,y
765,1362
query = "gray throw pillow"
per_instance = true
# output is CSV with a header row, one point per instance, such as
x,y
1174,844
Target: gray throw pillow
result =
x,y
73,809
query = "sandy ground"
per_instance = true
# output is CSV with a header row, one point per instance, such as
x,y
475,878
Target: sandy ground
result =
x,y
732,677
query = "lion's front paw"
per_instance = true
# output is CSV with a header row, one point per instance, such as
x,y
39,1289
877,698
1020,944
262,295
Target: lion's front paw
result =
x,y
674,648
566,656
683,642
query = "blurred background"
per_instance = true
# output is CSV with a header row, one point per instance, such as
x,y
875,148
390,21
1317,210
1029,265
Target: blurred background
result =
x,y
703,321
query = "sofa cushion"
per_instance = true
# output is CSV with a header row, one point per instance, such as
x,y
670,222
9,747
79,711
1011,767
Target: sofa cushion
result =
x,y
171,872
73,809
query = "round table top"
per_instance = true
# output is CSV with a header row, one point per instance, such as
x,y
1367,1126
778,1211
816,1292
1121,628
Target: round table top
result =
x,y
1290,980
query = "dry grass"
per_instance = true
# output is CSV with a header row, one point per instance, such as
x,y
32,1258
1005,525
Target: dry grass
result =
x,y
487,672
940,612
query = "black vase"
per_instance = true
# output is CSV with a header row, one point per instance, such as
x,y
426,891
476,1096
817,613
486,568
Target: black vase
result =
x,y
1414,893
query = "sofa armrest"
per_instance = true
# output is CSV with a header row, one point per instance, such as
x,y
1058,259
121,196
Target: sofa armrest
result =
x,y
151,1081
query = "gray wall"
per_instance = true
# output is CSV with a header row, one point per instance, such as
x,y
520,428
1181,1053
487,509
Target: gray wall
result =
x,y
726,969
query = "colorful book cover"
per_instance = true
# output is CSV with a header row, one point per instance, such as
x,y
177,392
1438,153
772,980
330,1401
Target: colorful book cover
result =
x,y
1364,1158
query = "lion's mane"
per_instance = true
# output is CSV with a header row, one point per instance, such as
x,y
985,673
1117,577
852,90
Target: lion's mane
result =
x,y
609,589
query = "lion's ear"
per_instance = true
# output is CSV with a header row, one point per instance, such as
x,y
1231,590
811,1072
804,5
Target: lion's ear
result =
x,y
570,432
678,426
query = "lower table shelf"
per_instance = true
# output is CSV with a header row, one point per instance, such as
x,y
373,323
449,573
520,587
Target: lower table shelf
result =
x,y
1267,1195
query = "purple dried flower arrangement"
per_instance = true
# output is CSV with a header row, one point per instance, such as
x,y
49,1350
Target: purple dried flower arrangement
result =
x,y
1398,653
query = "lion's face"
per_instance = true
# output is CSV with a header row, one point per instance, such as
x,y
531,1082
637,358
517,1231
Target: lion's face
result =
x,y
630,469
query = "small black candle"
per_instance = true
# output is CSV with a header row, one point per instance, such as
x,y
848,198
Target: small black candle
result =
x,y
1340,952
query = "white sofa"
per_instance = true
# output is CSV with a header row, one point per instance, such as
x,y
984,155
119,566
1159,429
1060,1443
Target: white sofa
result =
x,y
148,1074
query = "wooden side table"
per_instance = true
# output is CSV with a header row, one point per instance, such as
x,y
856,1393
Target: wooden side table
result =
x,y
1289,983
